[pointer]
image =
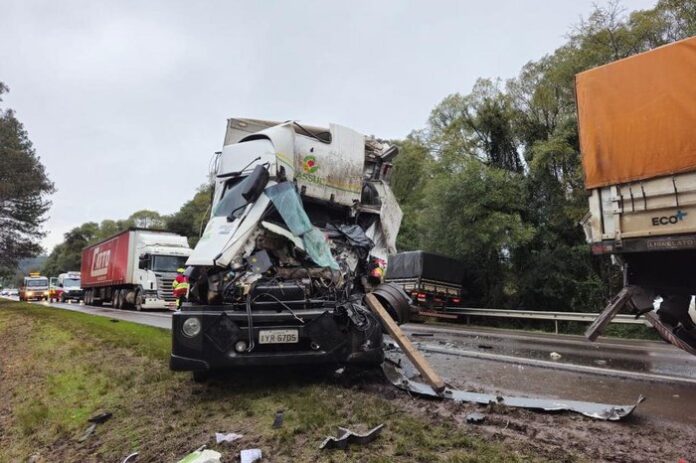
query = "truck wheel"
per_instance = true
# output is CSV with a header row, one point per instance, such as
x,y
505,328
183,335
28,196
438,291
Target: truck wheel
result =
x,y
120,295
62,298
138,300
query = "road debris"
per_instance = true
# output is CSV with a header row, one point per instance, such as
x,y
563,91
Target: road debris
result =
x,y
475,418
422,335
250,455
202,455
345,436
130,458
400,338
403,376
88,432
278,421
555,355
229,437
101,418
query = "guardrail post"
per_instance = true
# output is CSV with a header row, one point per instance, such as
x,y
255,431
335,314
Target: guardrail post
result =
x,y
555,322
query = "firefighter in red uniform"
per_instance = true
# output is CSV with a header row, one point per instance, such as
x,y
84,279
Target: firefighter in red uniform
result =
x,y
180,287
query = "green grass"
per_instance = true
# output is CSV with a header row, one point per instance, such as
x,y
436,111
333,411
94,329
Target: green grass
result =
x,y
60,367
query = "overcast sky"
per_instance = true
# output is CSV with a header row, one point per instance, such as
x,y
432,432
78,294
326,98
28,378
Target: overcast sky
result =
x,y
125,101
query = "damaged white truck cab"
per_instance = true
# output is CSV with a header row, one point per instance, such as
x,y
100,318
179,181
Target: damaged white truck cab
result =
x,y
302,221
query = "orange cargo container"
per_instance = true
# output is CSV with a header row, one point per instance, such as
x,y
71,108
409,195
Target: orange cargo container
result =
x,y
637,116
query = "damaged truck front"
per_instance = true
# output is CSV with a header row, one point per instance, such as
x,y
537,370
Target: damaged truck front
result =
x,y
302,221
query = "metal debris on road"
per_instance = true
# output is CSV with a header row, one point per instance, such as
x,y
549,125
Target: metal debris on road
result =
x,y
408,382
346,436
278,421
132,457
250,455
229,437
475,418
555,355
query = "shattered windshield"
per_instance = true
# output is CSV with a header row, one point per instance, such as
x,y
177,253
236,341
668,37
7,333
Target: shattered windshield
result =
x,y
168,263
232,201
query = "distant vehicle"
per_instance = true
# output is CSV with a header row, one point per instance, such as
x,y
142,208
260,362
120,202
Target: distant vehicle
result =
x,y
5,292
636,125
13,292
134,268
34,287
66,287
433,281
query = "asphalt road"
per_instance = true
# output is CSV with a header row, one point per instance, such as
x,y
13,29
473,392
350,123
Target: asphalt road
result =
x,y
525,363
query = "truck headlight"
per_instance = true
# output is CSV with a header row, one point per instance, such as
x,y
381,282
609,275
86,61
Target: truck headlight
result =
x,y
191,327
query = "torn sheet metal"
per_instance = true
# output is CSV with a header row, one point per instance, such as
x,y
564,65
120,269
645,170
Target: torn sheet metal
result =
x,y
346,436
405,381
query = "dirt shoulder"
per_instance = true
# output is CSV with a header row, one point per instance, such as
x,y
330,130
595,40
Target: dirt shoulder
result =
x,y
58,368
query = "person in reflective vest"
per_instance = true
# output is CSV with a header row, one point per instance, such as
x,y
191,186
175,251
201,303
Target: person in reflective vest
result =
x,y
180,287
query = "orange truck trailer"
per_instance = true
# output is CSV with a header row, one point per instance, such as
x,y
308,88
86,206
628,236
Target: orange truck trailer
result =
x,y
637,124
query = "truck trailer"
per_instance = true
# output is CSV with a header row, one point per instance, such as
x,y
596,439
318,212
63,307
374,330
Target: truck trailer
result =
x,y
301,216
134,268
637,125
434,282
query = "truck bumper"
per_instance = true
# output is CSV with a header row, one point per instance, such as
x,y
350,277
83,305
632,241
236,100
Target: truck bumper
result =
x,y
324,338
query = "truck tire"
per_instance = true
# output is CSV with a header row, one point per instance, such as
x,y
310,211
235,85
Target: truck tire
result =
x,y
62,298
88,297
119,302
138,301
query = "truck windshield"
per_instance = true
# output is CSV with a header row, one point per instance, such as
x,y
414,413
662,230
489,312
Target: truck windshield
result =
x,y
71,282
168,263
232,201
37,283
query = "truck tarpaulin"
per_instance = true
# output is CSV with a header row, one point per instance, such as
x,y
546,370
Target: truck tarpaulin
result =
x,y
637,116
414,264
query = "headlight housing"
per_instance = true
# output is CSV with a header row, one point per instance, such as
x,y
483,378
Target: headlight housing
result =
x,y
191,327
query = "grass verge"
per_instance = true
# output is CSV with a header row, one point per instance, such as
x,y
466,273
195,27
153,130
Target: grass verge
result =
x,y
57,368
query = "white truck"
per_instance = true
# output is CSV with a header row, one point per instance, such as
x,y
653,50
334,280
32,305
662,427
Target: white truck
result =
x,y
637,125
301,217
134,268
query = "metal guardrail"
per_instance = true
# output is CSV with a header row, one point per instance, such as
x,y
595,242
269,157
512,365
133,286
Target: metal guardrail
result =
x,y
541,315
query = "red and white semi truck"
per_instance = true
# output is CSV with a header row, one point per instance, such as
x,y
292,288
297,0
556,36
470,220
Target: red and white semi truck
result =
x,y
134,268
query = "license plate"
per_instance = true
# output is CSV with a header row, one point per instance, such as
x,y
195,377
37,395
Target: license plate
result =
x,y
278,336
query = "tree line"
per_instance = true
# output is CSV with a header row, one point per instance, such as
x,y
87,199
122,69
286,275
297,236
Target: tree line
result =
x,y
494,179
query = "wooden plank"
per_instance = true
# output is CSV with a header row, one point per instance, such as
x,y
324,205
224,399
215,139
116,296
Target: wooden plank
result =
x,y
406,345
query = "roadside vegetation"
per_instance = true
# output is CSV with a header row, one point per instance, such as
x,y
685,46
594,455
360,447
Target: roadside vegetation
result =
x,y
58,368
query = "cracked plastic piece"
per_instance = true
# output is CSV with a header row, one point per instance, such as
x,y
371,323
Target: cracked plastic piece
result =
x,y
346,436
607,412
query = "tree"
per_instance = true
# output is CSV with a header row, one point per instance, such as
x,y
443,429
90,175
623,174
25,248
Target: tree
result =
x,y
24,191
193,215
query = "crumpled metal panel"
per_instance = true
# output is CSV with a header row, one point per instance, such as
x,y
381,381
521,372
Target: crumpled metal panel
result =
x,y
608,412
346,436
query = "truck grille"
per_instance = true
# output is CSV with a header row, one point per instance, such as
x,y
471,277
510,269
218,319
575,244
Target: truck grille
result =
x,y
164,289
